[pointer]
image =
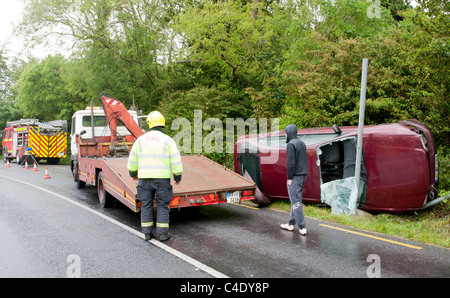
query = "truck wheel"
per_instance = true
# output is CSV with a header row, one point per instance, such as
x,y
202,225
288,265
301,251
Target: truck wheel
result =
x,y
76,177
4,153
106,200
19,161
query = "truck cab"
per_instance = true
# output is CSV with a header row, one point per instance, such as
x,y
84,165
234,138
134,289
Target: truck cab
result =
x,y
82,126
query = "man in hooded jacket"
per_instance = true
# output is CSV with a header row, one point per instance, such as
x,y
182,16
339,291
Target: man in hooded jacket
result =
x,y
297,170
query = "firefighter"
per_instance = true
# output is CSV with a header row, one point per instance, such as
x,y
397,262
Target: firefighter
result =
x,y
153,159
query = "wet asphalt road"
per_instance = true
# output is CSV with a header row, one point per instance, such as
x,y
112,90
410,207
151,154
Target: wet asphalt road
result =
x,y
44,235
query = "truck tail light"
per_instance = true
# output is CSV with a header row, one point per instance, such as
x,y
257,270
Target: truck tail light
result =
x,y
248,193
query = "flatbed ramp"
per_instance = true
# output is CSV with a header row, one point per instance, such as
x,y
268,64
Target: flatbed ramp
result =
x,y
203,182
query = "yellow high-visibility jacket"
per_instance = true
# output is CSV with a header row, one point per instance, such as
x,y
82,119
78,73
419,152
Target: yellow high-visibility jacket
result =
x,y
155,155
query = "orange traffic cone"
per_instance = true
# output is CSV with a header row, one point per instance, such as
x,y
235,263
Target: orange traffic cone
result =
x,y
26,165
7,163
46,174
35,169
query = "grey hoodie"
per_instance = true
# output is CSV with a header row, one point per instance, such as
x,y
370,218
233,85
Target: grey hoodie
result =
x,y
297,159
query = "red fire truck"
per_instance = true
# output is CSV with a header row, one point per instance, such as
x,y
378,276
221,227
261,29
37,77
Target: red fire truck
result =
x,y
30,138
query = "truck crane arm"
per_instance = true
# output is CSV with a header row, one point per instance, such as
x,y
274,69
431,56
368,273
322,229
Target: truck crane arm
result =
x,y
114,110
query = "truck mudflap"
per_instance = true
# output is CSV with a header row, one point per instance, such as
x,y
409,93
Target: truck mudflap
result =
x,y
204,182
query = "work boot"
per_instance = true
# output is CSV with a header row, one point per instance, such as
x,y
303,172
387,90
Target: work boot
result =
x,y
162,237
147,237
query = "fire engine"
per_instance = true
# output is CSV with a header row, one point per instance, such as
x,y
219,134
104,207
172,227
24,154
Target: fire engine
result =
x,y
29,138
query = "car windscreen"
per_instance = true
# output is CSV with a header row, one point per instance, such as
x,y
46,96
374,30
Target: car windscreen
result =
x,y
309,139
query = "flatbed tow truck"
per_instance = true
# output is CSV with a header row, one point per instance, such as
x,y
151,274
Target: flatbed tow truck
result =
x,y
102,161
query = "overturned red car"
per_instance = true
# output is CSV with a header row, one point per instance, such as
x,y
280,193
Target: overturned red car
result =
x,y
399,166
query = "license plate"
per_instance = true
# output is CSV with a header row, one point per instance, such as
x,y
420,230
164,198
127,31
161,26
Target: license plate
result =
x,y
233,197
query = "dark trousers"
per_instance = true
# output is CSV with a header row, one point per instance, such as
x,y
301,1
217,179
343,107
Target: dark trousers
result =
x,y
147,189
295,191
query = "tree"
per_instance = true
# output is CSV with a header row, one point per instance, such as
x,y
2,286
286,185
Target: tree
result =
x,y
298,60
326,91
396,7
407,77
131,39
8,108
41,91
227,34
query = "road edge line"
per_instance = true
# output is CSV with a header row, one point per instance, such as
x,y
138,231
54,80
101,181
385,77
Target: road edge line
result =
x,y
371,236
161,245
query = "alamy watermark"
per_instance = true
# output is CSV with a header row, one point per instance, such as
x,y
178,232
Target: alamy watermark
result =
x,y
374,9
189,141
74,268
374,269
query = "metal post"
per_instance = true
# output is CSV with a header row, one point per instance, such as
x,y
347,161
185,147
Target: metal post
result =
x,y
362,106
92,120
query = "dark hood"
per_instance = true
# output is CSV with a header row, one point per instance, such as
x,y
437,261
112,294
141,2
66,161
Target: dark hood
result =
x,y
291,132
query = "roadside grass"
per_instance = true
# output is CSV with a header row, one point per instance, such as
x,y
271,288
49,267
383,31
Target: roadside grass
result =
x,y
65,160
431,226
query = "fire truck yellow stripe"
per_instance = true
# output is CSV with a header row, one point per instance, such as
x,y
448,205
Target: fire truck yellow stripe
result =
x,y
33,143
51,146
43,146
61,144
47,146
37,145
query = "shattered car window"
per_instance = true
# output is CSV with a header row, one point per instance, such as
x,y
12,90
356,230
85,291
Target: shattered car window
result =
x,y
341,195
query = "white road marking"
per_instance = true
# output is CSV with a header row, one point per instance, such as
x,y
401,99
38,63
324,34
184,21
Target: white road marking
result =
x,y
161,245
